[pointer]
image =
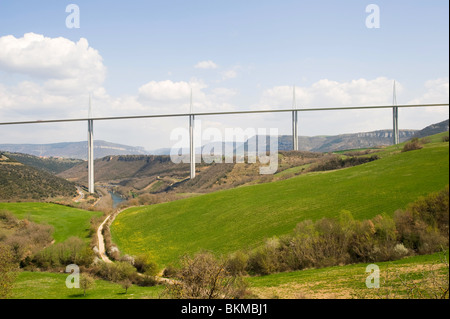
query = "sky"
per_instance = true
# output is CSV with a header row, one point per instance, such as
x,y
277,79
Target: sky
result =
x,y
145,57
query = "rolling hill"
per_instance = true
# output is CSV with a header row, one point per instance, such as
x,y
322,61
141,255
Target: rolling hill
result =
x,y
243,217
141,174
53,165
76,150
21,182
340,142
66,221
433,129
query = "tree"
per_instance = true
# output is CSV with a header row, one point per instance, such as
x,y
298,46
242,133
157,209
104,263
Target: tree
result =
x,y
126,283
86,282
204,277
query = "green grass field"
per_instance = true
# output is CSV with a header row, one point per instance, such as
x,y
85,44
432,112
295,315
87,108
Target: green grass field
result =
x,y
44,285
350,281
229,220
67,221
333,282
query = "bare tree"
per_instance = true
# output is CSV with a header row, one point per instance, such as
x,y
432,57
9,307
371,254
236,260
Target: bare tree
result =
x,y
126,284
204,277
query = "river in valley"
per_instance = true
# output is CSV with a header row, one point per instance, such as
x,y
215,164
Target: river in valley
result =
x,y
116,199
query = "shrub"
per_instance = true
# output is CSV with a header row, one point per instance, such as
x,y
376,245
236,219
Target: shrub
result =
x,y
28,239
401,251
146,281
445,138
145,265
8,218
237,263
414,144
116,272
336,162
8,270
264,260
205,277
170,271
424,225
433,210
73,251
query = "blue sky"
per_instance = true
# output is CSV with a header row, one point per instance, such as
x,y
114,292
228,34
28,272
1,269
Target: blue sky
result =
x,y
149,52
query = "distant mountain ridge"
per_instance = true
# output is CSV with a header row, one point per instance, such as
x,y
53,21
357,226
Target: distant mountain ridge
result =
x,y
76,150
345,141
433,129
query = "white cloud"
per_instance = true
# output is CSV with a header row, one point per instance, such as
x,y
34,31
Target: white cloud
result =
x,y
206,65
165,90
64,65
360,92
327,93
437,91
60,74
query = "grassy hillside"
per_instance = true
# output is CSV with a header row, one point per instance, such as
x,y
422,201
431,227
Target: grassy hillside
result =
x,y
67,221
333,282
243,217
139,174
21,182
349,281
51,165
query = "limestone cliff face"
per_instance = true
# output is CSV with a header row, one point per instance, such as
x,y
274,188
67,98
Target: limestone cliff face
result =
x,y
345,141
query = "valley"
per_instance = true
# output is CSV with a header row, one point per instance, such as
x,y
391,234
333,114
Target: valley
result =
x,y
228,212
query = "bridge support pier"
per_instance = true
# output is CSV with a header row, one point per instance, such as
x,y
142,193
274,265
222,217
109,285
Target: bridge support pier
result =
x,y
295,130
395,117
91,156
395,128
192,145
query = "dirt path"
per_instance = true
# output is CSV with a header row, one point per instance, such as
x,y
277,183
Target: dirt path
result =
x,y
80,195
101,242
102,251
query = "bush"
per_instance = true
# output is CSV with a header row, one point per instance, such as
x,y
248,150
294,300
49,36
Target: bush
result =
x,y
204,277
424,225
73,251
116,272
336,162
8,218
414,144
400,251
237,263
433,210
146,281
170,271
145,265
8,271
28,239
264,260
